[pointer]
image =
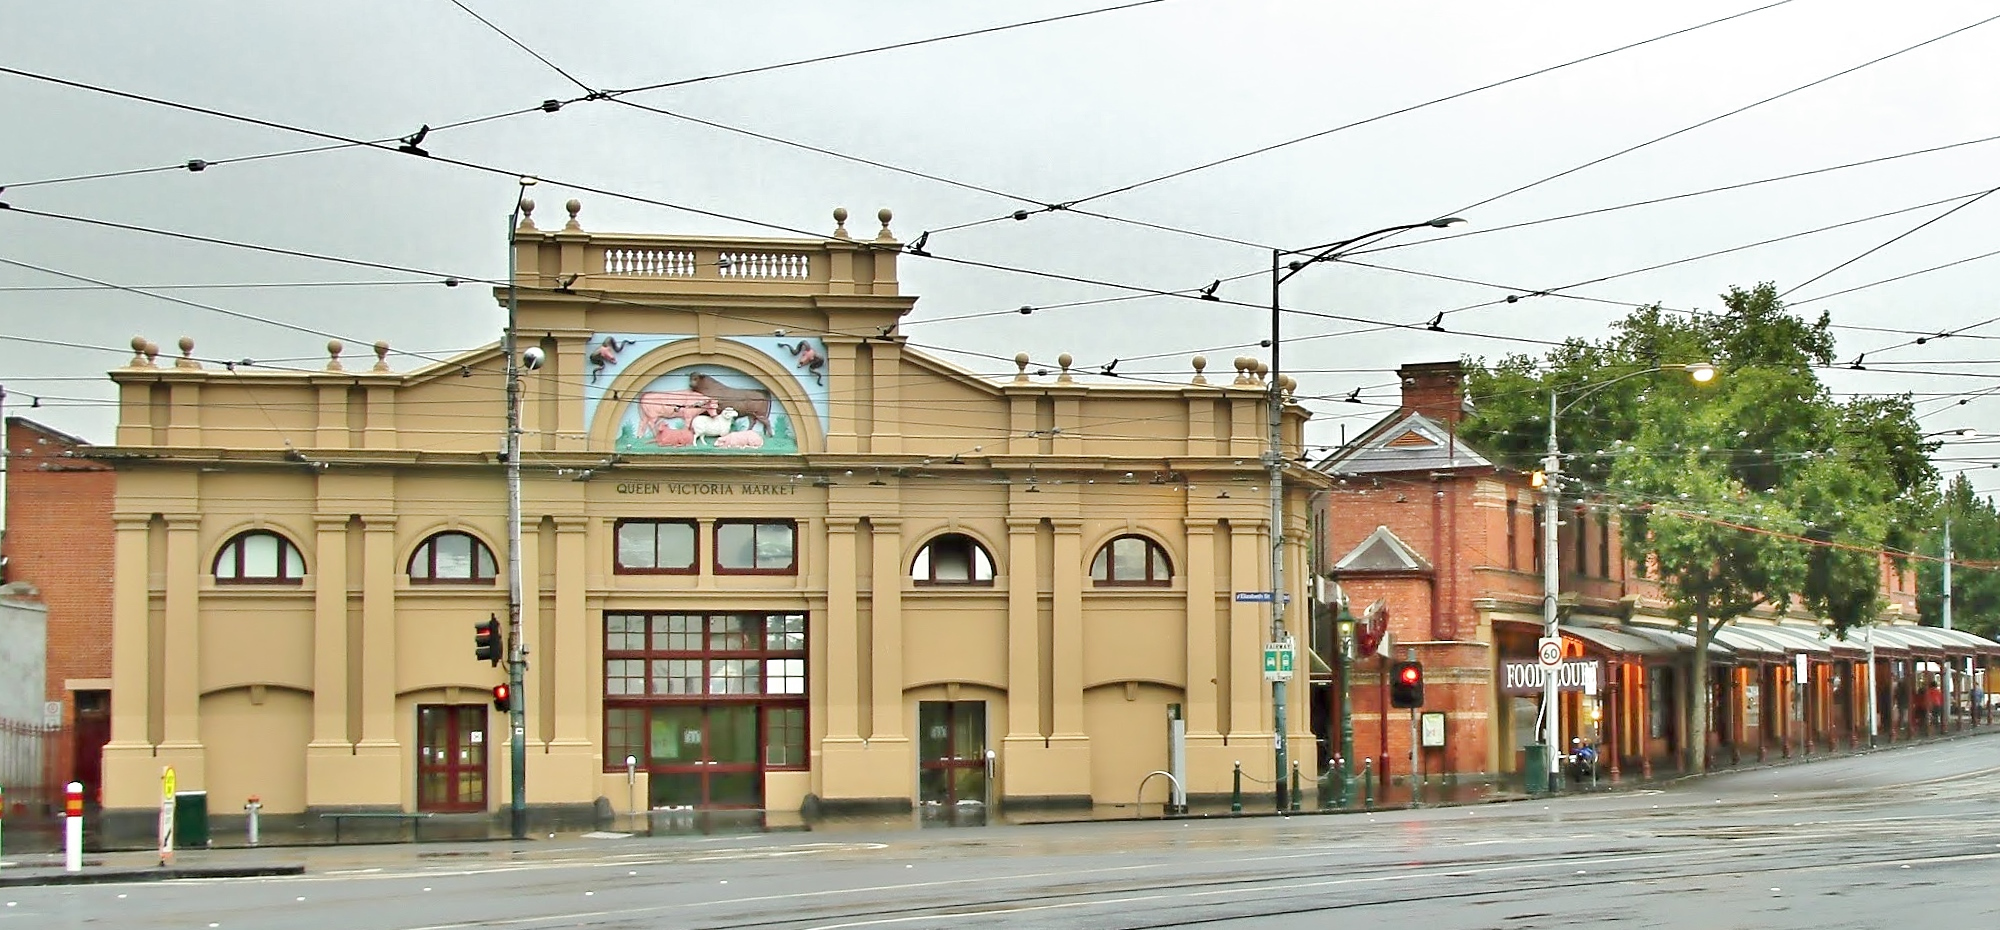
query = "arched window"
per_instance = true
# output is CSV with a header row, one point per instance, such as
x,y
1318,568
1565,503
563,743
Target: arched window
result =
x,y
1131,560
259,557
953,558
452,557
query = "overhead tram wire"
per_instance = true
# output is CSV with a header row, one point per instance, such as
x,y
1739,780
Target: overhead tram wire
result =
x,y
554,105
1719,117
523,47
913,43
1449,236
1071,204
1893,239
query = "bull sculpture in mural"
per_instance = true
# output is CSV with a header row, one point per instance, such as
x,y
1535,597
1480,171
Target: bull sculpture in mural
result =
x,y
749,402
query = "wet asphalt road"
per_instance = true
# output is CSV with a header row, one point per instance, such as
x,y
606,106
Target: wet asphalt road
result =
x,y
1901,836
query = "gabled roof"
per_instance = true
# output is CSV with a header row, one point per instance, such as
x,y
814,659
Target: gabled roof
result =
x,y
1404,442
1382,552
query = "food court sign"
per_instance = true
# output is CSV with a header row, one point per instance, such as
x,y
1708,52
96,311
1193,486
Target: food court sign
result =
x,y
1529,677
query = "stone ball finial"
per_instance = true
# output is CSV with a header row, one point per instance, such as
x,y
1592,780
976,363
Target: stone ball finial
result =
x,y
574,206
333,350
187,345
152,351
527,214
138,352
1064,361
840,223
1287,383
187,353
1261,367
1200,364
885,216
1020,367
382,355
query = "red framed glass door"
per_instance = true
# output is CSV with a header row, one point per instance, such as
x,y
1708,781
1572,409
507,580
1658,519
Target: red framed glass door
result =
x,y
705,756
451,757
951,752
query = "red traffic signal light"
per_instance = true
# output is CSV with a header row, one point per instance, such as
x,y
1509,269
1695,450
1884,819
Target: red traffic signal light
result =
x,y
486,640
1406,685
503,697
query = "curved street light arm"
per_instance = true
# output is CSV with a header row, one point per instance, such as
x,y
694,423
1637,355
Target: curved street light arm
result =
x,y
1330,251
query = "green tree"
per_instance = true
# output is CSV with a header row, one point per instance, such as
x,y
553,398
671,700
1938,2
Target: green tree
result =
x,y
1727,486
1975,537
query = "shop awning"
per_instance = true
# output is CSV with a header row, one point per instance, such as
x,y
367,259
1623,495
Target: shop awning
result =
x,y
1974,643
1903,638
1682,641
1619,642
1748,645
1794,639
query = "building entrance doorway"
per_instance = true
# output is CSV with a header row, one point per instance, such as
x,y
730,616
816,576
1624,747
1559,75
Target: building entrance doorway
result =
x,y
704,756
951,752
93,730
451,757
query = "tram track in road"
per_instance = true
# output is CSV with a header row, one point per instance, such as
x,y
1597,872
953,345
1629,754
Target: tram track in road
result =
x,y
813,910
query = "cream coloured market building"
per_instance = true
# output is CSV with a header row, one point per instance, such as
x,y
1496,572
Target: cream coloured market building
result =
x,y
773,553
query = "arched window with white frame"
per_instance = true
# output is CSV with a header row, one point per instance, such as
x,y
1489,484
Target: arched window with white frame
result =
x,y
952,559
453,557
1131,561
259,557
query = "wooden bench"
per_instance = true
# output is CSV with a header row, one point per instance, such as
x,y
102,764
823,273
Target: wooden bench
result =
x,y
415,820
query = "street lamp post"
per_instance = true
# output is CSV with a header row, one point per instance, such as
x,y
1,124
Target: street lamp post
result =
x,y
1274,459
1944,603
517,651
1700,372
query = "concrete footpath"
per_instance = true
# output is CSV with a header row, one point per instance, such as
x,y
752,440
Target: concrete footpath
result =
x,y
120,867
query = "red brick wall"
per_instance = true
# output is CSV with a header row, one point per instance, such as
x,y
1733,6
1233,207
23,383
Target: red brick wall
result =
x,y
59,539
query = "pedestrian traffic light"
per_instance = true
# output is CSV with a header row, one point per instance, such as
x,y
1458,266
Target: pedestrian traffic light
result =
x,y
503,698
1406,685
486,640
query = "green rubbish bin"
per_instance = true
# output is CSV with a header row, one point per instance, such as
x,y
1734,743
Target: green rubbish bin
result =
x,y
1535,768
190,819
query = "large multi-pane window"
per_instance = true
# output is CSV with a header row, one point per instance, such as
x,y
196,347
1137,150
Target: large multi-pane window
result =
x,y
656,547
756,547
659,667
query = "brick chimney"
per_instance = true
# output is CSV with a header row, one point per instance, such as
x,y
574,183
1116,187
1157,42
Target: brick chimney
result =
x,y
1434,389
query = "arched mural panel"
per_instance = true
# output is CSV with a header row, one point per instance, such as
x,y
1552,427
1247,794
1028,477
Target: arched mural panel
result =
x,y
708,407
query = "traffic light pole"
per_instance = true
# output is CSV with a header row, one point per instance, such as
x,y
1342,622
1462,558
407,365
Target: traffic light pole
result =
x,y
517,653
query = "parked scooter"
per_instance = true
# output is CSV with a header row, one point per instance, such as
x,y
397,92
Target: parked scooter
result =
x,y
1581,764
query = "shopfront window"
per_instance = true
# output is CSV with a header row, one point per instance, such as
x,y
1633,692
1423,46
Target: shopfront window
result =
x,y
705,701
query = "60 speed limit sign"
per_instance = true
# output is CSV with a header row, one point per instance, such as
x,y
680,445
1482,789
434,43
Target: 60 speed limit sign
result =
x,y
1550,652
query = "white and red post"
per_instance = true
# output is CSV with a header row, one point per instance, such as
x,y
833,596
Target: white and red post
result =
x,y
73,827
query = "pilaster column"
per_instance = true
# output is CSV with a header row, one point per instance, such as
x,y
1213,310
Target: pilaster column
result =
x,y
843,632
1024,632
330,728
1204,670
131,774
886,619
378,631
1066,665
1249,624
131,620
181,668
570,653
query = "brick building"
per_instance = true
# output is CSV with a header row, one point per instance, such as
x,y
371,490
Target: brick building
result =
x,y
58,542
1451,543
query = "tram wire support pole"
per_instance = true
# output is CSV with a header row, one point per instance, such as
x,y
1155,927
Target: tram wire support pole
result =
x,y
1274,455
1551,714
517,651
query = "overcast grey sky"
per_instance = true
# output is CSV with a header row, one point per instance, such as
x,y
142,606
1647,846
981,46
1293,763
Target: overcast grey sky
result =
x,y
1047,114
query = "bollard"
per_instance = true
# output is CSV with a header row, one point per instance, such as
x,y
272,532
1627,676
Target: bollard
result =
x,y
1236,791
1368,783
73,827
1295,784
250,821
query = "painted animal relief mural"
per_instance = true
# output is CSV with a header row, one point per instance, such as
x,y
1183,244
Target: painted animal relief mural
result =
x,y
706,409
